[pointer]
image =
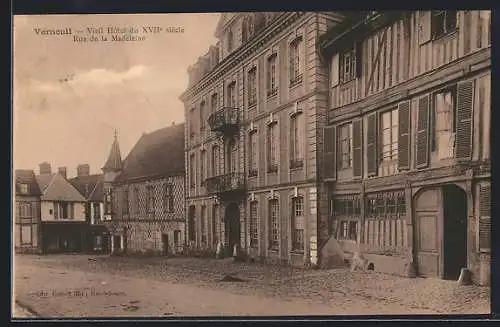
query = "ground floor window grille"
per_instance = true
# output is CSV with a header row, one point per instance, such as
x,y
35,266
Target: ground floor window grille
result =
x,y
386,205
254,224
274,224
298,224
347,211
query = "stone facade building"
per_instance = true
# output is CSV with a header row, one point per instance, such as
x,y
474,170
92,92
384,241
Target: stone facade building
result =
x,y
407,150
255,109
27,222
146,196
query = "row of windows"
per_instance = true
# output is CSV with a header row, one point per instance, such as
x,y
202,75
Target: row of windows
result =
x,y
377,205
297,224
443,22
296,138
295,73
442,120
135,200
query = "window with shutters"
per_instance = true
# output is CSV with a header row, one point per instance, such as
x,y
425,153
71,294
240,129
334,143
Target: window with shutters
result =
x,y
203,167
252,155
252,87
389,122
203,219
192,171
215,161
443,22
125,205
215,219
350,63
191,223
298,224
274,224
97,212
443,118
231,95
191,124
25,212
108,202
272,147
484,217
347,66
63,210
229,41
254,224
345,146
214,102
329,152
150,199
296,141
168,199
296,61
271,80
137,203
202,116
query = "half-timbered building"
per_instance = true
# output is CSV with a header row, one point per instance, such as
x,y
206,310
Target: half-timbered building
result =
x,y
255,107
406,165
147,196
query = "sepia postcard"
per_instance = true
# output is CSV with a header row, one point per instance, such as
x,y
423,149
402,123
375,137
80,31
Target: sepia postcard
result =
x,y
251,164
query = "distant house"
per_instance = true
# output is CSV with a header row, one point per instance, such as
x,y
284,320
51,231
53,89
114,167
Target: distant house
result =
x,y
91,187
63,222
148,195
27,218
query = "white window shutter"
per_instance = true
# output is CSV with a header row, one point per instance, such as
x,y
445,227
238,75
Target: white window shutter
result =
x,y
335,70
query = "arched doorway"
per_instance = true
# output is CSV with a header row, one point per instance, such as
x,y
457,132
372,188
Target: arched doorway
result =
x,y
440,231
231,226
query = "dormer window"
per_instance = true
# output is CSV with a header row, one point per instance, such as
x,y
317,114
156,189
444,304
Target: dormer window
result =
x,y
23,188
350,63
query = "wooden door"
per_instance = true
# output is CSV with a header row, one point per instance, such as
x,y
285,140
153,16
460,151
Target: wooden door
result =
x,y
428,235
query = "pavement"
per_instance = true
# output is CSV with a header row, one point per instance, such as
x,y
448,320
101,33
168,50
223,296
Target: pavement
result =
x,y
103,286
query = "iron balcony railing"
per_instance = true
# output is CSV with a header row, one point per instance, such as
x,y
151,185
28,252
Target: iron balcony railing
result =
x,y
225,183
224,119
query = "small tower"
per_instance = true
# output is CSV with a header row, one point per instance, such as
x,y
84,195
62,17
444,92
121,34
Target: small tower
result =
x,y
111,169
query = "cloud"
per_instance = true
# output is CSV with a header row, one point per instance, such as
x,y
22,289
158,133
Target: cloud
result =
x,y
93,78
102,76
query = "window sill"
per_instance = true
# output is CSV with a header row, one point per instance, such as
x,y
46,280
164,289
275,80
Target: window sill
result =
x,y
445,36
271,95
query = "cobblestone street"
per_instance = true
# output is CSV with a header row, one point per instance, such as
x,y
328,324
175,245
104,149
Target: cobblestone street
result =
x,y
263,290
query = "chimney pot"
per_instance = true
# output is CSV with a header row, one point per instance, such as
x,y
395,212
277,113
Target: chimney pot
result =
x,y
63,172
82,170
45,168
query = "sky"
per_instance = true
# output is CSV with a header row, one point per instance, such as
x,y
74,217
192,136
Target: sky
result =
x,y
69,97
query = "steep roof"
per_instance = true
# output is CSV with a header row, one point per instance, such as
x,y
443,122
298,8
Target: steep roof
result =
x,y
157,154
114,161
91,186
23,176
56,188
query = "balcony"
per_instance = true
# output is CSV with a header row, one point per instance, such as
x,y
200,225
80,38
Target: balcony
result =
x,y
228,185
224,121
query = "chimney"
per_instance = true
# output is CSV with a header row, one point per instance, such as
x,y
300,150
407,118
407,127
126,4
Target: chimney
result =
x,y
83,170
63,172
45,168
